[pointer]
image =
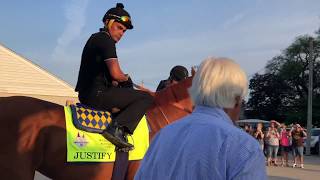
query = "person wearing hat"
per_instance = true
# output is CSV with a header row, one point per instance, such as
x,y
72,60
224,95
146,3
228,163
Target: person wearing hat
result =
x,y
298,134
177,73
103,85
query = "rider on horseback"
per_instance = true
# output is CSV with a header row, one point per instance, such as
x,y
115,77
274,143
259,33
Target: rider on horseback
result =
x,y
177,73
103,85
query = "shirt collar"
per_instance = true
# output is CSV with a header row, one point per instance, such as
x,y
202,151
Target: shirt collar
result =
x,y
213,111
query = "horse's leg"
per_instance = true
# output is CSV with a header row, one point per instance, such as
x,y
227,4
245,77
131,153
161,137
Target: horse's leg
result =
x,y
15,168
120,166
18,138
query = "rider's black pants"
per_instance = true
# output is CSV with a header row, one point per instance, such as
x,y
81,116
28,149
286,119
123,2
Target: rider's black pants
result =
x,y
133,104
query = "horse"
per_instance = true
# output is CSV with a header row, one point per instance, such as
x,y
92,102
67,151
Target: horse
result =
x,y
33,134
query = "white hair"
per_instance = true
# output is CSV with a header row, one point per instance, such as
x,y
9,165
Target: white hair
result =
x,y
218,83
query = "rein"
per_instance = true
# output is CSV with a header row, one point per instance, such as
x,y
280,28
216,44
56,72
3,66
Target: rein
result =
x,y
178,106
164,115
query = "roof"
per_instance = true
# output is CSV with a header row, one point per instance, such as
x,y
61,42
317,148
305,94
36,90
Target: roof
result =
x,y
20,76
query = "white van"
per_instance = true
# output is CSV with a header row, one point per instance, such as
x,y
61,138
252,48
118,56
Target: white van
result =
x,y
253,123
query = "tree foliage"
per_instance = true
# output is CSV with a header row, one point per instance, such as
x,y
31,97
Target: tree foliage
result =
x,y
281,93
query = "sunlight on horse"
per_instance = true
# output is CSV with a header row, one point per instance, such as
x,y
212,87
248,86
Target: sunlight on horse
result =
x,y
34,136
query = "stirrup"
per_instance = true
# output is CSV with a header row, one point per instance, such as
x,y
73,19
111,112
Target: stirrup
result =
x,y
116,136
124,149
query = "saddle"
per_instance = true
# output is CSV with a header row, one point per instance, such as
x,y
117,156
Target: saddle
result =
x,y
89,119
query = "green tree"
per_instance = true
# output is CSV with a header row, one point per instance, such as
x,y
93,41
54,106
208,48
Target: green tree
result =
x,y
282,92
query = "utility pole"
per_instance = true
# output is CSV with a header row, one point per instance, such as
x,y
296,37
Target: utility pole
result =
x,y
310,95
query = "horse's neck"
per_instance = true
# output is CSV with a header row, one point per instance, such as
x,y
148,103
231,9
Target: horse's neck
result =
x,y
159,117
170,105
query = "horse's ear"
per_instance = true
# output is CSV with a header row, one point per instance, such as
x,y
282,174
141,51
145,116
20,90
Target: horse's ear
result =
x,y
193,71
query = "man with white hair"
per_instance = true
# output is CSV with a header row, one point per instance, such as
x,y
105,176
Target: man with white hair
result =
x,y
206,144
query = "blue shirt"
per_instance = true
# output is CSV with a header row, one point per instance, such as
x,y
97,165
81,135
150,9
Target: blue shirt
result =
x,y
203,145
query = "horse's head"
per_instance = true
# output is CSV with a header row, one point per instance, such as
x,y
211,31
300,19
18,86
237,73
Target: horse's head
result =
x,y
170,104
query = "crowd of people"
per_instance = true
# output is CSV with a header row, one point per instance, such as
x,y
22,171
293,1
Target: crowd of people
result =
x,y
279,137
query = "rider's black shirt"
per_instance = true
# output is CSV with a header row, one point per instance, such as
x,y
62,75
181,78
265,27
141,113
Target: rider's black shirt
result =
x,y
93,70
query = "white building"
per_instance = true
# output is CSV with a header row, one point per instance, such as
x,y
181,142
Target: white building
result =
x,y
20,77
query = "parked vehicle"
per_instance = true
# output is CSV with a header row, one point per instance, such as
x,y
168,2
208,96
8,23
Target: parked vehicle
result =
x,y
253,123
314,143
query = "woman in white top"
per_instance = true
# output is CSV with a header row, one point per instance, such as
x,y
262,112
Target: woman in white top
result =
x,y
273,137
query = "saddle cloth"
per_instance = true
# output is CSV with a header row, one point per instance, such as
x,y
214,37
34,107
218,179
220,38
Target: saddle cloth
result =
x,y
84,146
89,119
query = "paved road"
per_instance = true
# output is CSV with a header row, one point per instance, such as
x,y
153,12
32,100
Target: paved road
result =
x,y
311,171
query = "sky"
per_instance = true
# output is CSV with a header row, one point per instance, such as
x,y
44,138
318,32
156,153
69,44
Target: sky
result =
x,y
166,33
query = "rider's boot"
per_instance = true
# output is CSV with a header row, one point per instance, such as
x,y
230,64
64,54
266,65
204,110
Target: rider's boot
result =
x,y
116,135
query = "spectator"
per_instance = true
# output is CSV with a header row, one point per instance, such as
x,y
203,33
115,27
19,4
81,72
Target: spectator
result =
x,y
273,144
248,129
285,146
258,134
298,134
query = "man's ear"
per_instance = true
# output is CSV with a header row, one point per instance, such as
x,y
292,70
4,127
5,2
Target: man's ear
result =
x,y
238,101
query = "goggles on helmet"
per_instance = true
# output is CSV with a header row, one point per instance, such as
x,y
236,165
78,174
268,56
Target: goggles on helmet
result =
x,y
121,18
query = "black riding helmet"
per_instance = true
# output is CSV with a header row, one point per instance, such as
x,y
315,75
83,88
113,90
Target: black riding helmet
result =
x,y
119,15
179,73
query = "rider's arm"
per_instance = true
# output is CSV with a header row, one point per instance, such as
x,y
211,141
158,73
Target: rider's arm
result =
x,y
107,50
115,70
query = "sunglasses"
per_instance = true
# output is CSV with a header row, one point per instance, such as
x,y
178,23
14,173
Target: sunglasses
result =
x,y
121,18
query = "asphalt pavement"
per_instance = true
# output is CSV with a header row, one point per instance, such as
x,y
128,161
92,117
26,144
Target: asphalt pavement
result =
x,y
311,170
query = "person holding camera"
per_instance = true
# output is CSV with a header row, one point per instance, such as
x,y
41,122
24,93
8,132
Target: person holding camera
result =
x,y
273,143
298,134
259,135
284,144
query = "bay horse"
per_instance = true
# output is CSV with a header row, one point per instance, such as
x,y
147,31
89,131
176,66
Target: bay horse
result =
x,y
33,136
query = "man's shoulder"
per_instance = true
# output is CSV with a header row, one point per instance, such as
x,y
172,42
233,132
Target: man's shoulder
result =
x,y
162,84
205,125
163,81
101,35
234,137
242,141
237,134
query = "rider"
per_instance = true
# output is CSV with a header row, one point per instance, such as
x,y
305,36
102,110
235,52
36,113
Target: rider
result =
x,y
177,73
100,77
